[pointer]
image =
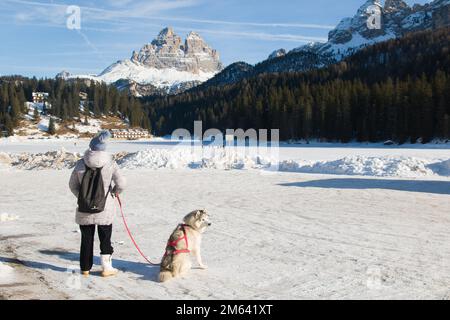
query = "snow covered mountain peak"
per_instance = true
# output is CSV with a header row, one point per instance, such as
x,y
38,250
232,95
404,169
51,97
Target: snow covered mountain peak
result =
x,y
168,50
166,36
63,75
277,53
397,19
351,34
395,5
166,65
363,8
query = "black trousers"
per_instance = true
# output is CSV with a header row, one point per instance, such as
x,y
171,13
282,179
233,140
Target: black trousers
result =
x,y
87,244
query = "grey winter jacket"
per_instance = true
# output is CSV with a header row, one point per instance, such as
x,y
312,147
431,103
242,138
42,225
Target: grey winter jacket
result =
x,y
111,177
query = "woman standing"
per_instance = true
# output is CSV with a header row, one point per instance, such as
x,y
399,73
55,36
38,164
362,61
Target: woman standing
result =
x,y
94,181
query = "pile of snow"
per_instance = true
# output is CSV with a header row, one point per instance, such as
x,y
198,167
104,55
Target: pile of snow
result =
x,y
50,160
159,158
228,159
441,168
223,159
179,158
232,160
7,217
365,166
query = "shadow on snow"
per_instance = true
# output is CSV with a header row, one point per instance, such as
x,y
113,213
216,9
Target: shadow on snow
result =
x,y
434,187
146,271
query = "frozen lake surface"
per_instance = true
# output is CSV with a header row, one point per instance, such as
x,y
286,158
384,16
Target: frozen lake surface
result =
x,y
278,235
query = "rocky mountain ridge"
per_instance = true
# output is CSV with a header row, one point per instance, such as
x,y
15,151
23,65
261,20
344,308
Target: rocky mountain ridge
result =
x,y
351,35
167,65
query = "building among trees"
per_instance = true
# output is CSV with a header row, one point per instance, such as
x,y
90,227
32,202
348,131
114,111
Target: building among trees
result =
x,y
40,97
130,134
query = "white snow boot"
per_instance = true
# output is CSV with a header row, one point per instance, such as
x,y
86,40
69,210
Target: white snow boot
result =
x,y
108,269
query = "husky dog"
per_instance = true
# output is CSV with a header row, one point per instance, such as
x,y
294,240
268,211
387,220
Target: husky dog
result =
x,y
184,241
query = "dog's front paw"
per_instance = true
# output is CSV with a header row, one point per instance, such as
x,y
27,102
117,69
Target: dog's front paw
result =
x,y
204,267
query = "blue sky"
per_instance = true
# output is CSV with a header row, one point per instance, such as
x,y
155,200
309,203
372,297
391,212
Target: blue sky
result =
x,y
34,39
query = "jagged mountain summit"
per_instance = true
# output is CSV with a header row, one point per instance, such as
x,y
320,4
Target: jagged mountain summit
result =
x,y
277,53
168,51
167,65
351,35
397,19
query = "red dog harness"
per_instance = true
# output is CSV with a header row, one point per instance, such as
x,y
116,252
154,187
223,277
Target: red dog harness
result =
x,y
175,242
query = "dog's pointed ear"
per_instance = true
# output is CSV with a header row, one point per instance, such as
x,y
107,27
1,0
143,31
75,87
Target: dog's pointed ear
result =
x,y
197,213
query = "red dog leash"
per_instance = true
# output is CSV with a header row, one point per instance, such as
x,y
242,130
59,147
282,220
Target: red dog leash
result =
x,y
131,236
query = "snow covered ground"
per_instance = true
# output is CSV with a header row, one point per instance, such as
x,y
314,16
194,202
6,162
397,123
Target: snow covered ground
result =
x,y
295,235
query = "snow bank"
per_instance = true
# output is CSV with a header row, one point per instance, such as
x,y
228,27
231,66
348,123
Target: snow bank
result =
x,y
228,159
50,160
441,168
182,158
7,217
365,166
158,158
233,160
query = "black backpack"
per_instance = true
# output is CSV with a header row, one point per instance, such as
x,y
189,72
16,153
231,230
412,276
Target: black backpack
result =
x,y
92,198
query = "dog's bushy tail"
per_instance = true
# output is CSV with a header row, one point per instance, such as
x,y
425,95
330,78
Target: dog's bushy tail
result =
x,y
165,276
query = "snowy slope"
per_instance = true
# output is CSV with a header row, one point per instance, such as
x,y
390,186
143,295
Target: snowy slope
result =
x,y
135,71
29,128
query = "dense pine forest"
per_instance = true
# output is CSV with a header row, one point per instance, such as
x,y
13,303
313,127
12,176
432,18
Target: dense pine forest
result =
x,y
398,90
64,101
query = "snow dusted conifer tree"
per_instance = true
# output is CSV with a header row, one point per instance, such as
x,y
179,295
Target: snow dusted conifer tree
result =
x,y
36,115
51,127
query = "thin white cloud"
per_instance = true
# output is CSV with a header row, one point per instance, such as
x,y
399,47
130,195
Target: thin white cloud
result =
x,y
262,35
250,24
137,10
120,3
50,69
147,10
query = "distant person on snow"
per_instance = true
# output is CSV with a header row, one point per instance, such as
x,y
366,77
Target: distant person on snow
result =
x,y
94,181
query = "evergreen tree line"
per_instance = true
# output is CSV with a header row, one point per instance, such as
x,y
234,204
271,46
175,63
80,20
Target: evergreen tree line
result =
x,y
397,90
64,101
